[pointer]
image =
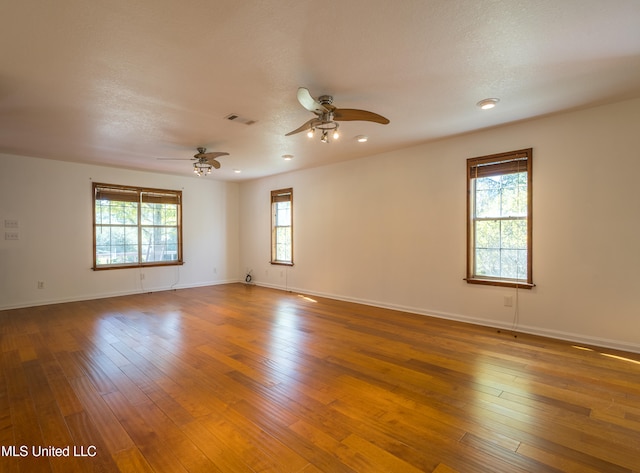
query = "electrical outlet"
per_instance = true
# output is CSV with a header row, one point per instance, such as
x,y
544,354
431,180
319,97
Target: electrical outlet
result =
x,y
40,284
141,276
508,301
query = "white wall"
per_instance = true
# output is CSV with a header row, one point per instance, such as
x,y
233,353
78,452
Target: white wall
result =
x,y
51,200
389,230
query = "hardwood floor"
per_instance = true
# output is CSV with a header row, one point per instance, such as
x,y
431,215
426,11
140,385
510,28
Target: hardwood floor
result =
x,y
240,378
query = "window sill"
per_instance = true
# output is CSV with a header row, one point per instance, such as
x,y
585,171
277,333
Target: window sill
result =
x,y
500,282
282,263
137,265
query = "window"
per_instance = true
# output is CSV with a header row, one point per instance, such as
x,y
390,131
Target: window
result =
x,y
282,226
136,226
499,219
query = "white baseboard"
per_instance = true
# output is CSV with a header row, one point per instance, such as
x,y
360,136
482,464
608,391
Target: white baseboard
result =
x,y
106,295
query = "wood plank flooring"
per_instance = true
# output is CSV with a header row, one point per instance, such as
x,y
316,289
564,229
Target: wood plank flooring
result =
x,y
239,378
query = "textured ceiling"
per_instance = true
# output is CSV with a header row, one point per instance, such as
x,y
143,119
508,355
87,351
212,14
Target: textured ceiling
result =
x,y
123,83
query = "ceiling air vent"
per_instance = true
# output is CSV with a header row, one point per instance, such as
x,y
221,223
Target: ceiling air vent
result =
x,y
234,117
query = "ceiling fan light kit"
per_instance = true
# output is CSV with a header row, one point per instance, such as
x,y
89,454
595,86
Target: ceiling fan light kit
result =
x,y
200,169
325,127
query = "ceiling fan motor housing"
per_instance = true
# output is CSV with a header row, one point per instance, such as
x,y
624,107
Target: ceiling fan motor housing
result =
x,y
325,99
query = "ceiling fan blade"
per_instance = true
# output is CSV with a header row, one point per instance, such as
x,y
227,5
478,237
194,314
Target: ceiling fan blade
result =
x,y
214,163
175,159
212,155
352,114
307,125
308,102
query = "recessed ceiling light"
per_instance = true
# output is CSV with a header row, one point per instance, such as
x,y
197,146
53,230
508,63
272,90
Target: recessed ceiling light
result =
x,y
362,138
486,104
287,157
237,171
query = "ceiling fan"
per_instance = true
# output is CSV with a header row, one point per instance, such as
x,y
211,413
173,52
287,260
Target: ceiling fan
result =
x,y
203,161
327,115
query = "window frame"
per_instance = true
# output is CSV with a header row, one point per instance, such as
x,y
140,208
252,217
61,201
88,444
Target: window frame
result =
x,y
281,195
503,163
152,194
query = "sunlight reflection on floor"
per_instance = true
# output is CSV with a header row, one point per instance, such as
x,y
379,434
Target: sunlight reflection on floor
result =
x,y
608,355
